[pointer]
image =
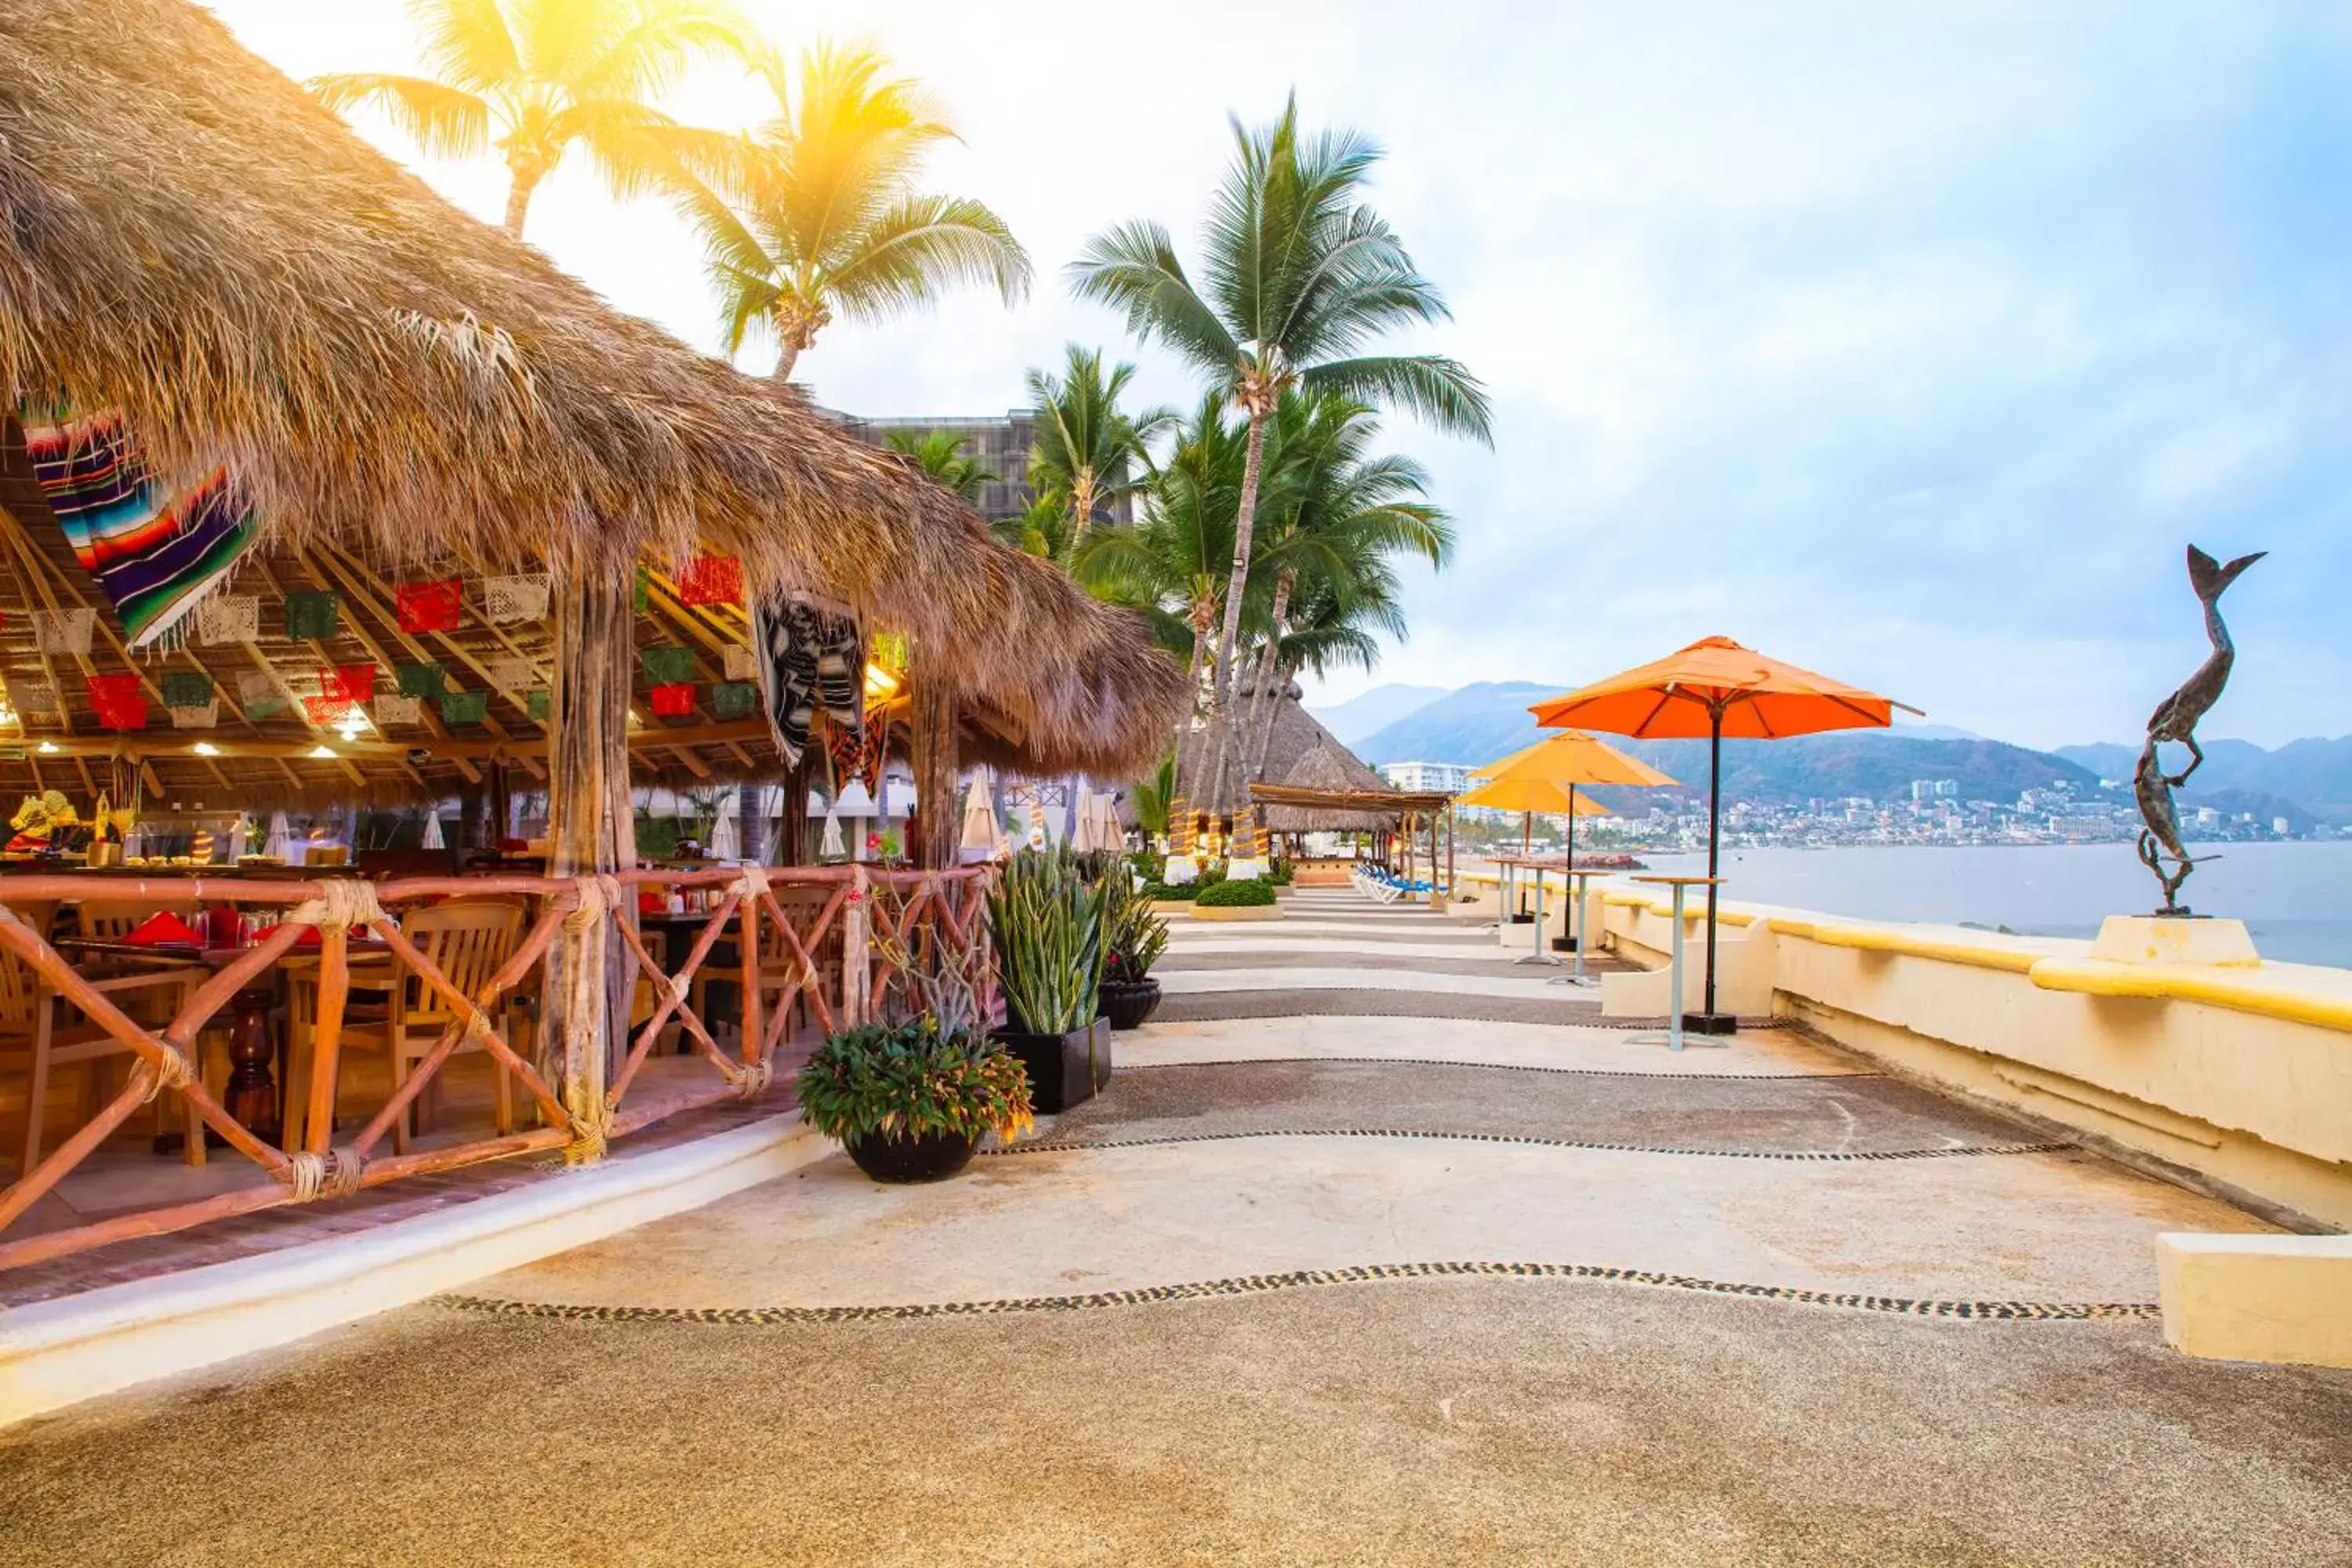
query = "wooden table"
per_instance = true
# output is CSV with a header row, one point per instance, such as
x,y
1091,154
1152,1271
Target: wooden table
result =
x,y
1680,884
252,1094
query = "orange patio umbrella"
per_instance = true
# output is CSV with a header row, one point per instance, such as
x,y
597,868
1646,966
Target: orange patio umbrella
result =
x,y
1713,689
1538,777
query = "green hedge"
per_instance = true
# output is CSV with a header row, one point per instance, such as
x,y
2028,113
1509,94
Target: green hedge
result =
x,y
1183,895
1250,895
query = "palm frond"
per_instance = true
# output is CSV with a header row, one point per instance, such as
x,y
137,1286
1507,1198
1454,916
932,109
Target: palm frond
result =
x,y
1133,269
467,43
1436,388
919,246
444,121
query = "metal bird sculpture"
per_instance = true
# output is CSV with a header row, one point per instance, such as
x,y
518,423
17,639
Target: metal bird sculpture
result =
x,y
2175,719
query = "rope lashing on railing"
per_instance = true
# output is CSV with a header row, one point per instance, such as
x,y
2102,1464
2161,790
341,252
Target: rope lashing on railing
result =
x,y
333,1174
752,883
751,1078
172,1070
599,897
591,1128
341,905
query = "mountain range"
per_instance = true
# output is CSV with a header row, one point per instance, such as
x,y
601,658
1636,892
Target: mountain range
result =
x,y
1477,724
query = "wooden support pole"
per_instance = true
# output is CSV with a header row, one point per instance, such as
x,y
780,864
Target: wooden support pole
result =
x,y
932,720
592,832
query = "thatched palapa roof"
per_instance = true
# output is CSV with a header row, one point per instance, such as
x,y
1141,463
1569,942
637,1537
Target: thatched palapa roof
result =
x,y
187,236
1302,754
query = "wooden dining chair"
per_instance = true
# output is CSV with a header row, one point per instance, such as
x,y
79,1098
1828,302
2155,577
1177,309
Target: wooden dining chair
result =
x,y
777,964
470,942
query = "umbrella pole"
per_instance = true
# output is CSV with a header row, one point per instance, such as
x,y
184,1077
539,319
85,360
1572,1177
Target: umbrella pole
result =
x,y
1568,876
1714,812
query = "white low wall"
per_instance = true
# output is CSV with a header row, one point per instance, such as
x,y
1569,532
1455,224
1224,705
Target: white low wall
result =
x,y
2241,1076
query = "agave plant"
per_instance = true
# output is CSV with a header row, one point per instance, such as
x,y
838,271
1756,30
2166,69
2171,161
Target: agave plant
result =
x,y
1047,919
1138,935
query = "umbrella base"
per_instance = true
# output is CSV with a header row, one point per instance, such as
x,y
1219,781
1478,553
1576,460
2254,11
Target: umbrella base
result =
x,y
1710,1024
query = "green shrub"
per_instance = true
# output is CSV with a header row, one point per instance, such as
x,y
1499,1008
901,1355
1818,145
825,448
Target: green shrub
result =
x,y
903,1080
1250,895
1283,871
1183,895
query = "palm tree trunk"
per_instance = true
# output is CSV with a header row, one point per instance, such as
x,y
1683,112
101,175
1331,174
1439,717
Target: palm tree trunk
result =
x,y
1244,536
1260,700
1081,501
1191,689
785,357
519,192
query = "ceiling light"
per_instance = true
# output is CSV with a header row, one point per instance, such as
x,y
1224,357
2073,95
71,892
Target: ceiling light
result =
x,y
206,748
879,682
326,751
48,748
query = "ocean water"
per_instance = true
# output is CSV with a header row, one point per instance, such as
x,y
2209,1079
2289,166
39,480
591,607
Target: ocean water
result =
x,y
2297,898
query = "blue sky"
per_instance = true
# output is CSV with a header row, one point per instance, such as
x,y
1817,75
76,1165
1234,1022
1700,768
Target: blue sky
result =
x,y
1907,341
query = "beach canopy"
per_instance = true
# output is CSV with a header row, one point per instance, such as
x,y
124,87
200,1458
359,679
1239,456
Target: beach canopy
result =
x,y
1713,689
1569,758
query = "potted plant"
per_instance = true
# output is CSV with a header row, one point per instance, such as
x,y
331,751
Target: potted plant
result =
x,y
1137,936
909,1100
1046,920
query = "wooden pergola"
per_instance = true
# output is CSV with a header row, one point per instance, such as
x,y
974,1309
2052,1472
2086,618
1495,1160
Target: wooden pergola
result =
x,y
1407,809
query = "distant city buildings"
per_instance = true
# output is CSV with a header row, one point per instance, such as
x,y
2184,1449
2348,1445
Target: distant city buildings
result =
x,y
1447,777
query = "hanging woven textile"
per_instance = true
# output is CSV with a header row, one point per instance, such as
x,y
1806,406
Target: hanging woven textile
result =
x,y
154,554
436,606
641,594
509,675
195,716
117,700
509,599
398,711
740,663
810,662
856,754
674,701
538,705
711,579
313,616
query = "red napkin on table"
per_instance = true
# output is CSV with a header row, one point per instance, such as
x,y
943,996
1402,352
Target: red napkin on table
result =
x,y
309,937
164,930
653,903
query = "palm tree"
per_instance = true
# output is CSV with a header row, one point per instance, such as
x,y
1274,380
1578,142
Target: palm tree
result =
x,y
1150,798
940,456
1301,277
1088,451
1043,531
1170,563
1335,521
814,212
531,78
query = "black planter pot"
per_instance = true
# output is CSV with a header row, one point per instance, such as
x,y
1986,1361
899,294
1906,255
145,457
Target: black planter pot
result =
x,y
1563,944
1523,919
1127,1002
1059,1075
930,1158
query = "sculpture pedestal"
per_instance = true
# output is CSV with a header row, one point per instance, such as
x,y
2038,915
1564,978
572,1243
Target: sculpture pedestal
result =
x,y
2152,938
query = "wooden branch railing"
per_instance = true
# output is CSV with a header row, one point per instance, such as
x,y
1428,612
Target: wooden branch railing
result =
x,y
831,946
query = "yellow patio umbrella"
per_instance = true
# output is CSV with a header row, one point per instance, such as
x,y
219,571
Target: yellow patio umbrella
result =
x,y
1542,776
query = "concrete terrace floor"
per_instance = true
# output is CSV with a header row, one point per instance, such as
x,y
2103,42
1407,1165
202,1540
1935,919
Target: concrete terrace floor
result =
x,y
1382,1258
